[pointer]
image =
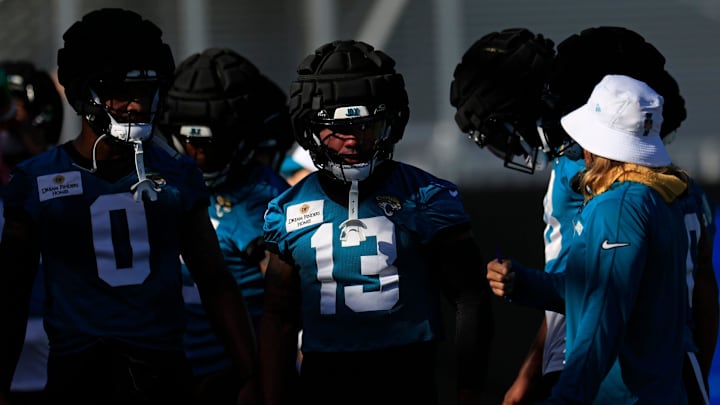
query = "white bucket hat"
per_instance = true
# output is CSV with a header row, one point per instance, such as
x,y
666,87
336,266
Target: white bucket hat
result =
x,y
621,121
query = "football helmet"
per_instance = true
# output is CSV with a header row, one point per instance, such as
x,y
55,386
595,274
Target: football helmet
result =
x,y
497,88
276,136
41,99
115,54
215,102
583,59
40,123
349,88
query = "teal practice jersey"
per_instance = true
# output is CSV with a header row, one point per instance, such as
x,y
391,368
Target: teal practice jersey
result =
x,y
370,289
236,211
560,205
111,264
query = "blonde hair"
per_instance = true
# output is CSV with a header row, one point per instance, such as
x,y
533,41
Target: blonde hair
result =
x,y
601,172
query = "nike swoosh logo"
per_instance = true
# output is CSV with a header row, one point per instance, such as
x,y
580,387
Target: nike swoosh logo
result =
x,y
606,245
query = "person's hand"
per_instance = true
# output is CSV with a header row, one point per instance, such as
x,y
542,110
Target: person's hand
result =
x,y
501,277
517,391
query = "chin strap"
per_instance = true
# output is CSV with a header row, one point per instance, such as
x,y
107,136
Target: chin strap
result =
x,y
94,168
94,160
352,230
144,185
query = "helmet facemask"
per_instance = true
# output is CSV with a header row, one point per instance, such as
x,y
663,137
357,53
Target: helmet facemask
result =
x,y
108,113
517,147
368,135
221,153
348,144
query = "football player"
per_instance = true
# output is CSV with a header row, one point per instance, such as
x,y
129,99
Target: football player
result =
x,y
364,247
220,111
110,213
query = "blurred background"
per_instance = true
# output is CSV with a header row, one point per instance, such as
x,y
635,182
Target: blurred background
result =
x,y
427,39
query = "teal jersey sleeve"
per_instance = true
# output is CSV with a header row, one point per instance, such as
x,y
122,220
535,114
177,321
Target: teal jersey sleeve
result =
x,y
560,205
236,211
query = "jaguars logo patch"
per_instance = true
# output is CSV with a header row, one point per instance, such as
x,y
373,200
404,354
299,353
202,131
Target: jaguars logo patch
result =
x,y
223,205
157,179
390,205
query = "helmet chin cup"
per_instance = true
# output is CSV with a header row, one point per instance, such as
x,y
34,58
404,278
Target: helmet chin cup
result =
x,y
348,173
130,132
126,131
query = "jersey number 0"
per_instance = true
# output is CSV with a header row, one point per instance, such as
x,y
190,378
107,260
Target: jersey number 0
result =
x,y
120,235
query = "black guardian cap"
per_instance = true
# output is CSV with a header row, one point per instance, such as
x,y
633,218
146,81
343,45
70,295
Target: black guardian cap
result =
x,y
497,90
583,59
106,52
38,93
346,83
